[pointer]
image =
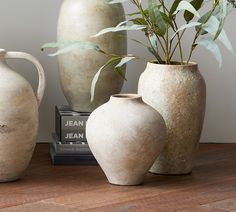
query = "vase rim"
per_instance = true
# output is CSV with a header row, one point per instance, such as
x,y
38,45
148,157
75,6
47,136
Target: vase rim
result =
x,y
175,64
126,96
2,52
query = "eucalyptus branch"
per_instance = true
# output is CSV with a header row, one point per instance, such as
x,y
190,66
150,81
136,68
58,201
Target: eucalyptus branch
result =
x,y
179,43
155,52
193,46
150,25
157,24
165,9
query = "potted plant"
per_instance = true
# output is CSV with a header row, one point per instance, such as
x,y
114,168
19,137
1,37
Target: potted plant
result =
x,y
174,87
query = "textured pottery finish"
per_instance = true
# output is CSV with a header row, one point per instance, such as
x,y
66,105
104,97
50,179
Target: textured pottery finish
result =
x,y
79,20
125,135
178,92
18,117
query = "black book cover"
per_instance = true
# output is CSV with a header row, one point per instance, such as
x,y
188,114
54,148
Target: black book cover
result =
x,y
70,125
71,159
70,147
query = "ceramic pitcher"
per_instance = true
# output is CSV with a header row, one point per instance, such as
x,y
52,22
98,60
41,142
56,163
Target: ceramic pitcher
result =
x,y
18,116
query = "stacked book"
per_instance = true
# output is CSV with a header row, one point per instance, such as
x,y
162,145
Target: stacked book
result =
x,y
69,144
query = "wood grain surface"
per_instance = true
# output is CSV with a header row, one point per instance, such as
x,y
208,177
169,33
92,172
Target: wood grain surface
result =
x,y
211,187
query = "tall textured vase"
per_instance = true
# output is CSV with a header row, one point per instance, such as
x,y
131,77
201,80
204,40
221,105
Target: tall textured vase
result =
x,y
178,92
80,20
18,117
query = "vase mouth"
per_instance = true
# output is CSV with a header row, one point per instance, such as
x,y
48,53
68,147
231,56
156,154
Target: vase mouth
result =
x,y
174,63
126,96
175,66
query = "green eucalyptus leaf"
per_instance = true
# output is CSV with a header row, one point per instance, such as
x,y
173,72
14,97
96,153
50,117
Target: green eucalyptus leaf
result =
x,y
209,44
167,19
154,47
188,16
122,23
153,41
139,42
133,14
185,5
125,60
139,21
121,72
138,13
222,16
202,20
65,47
151,50
212,26
217,14
97,75
174,7
119,28
186,26
157,17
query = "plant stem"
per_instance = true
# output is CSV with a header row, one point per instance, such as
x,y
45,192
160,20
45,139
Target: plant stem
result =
x,y
179,43
167,12
167,33
156,54
176,45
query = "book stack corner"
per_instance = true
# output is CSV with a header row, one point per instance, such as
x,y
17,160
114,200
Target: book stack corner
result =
x,y
69,145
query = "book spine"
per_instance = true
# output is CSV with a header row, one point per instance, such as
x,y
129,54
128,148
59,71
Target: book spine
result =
x,y
70,125
73,128
71,148
73,122
73,136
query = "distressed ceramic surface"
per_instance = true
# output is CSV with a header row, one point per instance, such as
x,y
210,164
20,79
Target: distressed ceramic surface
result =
x,y
18,117
179,94
79,20
125,135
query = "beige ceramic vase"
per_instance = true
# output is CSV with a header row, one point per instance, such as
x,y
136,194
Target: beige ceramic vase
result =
x,y
80,20
18,117
178,92
125,135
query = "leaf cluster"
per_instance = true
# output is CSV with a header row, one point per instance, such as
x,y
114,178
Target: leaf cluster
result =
x,y
159,22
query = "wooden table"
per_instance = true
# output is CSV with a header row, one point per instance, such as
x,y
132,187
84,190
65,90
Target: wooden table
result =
x,y
211,187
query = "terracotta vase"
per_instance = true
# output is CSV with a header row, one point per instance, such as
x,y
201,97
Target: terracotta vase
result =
x,y
80,20
125,135
178,92
18,117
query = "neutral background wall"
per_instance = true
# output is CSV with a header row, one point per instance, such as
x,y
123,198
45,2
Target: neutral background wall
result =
x,y
27,24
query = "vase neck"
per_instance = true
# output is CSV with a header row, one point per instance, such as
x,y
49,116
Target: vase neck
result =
x,y
126,98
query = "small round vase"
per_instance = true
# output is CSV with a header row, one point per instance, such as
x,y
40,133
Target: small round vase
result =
x,y
126,136
178,92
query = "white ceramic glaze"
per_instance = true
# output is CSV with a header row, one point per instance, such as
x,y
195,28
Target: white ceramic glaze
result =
x,y
80,20
18,117
125,135
178,92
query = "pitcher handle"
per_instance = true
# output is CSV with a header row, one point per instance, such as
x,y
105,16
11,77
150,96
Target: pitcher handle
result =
x,y
42,80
